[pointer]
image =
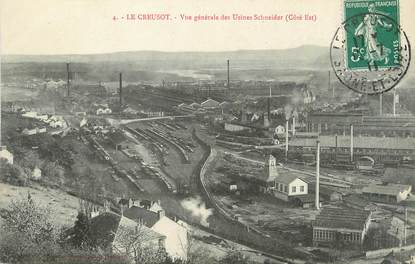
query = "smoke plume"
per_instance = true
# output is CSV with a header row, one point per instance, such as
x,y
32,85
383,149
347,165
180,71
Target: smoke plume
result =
x,y
198,209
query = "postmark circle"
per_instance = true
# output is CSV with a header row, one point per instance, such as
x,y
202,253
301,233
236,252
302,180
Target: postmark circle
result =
x,y
370,53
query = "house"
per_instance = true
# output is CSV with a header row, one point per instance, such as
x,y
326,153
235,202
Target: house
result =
x,y
279,130
340,227
118,140
210,103
6,155
387,193
103,111
131,234
29,132
57,122
282,183
110,231
153,216
30,115
36,174
286,187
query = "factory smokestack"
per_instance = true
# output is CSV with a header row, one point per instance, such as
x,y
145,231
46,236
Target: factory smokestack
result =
x,y
269,103
120,93
228,83
394,101
318,176
67,81
336,146
286,140
351,143
330,87
380,104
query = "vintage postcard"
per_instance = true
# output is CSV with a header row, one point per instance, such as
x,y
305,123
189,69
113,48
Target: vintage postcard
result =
x,y
207,132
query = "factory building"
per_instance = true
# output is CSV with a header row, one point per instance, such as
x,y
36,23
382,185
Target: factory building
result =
x,y
340,227
387,193
380,149
339,123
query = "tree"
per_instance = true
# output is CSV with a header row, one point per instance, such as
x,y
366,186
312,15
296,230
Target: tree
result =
x,y
80,231
27,233
12,174
196,254
235,257
136,245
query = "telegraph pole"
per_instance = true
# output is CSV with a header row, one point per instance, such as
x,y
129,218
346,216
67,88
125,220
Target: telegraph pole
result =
x,y
318,175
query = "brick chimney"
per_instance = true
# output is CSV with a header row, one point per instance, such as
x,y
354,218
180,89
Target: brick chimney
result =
x,y
161,213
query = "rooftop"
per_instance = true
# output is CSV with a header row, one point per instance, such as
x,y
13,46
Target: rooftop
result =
x,y
359,142
135,213
104,229
342,218
284,175
117,137
287,178
387,189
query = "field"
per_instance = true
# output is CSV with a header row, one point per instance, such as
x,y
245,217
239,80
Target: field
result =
x,y
64,207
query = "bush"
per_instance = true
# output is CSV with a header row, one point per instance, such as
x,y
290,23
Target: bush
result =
x,y
12,174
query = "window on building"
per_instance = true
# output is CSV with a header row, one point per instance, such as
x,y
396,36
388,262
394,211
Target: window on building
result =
x,y
286,188
294,189
301,188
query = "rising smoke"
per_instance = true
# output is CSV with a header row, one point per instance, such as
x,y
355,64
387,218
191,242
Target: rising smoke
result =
x,y
198,209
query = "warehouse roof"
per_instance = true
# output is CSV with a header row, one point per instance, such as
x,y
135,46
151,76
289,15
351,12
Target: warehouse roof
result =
x,y
358,142
387,189
342,218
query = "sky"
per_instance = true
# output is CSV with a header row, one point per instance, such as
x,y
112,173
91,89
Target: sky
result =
x,y
86,26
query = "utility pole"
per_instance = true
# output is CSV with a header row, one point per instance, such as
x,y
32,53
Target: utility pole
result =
x,y
318,176
405,226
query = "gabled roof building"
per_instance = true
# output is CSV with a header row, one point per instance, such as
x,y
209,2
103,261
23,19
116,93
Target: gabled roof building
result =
x,y
340,227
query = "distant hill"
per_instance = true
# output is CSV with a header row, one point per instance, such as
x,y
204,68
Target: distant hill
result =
x,y
301,57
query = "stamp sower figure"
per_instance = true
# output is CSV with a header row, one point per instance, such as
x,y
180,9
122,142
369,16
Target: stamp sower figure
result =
x,y
368,30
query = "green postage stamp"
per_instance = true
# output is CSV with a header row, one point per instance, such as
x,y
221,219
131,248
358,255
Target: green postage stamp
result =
x,y
370,38
370,52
